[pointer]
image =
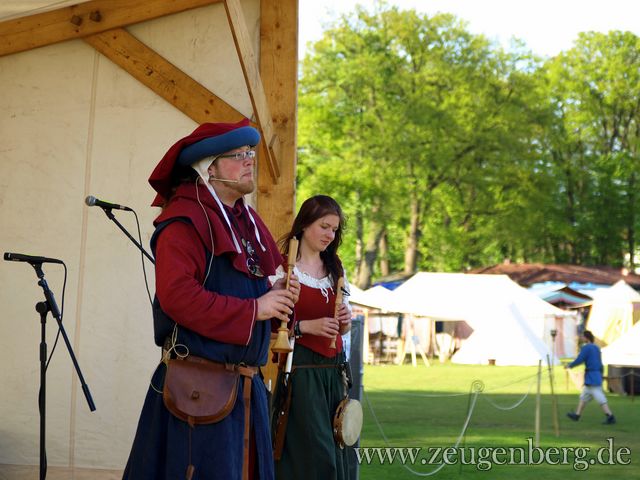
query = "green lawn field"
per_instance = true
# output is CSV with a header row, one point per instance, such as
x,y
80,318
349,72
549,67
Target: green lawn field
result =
x,y
425,408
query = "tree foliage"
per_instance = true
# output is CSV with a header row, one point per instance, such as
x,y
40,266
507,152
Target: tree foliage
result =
x,y
452,153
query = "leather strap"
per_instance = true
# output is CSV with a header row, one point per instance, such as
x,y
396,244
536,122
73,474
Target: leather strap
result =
x,y
295,367
248,373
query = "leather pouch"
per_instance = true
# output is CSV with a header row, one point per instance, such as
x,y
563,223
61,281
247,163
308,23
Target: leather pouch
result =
x,y
199,391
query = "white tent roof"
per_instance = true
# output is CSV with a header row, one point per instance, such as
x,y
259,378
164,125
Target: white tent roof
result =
x,y
624,350
375,297
508,320
510,343
461,296
613,312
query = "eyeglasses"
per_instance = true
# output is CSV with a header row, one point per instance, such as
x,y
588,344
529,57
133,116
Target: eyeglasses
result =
x,y
240,156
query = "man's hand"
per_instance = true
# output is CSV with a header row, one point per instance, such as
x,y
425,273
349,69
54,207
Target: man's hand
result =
x,y
294,286
276,303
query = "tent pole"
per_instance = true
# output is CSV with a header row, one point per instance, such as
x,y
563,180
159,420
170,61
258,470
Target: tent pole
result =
x,y
554,403
365,336
536,426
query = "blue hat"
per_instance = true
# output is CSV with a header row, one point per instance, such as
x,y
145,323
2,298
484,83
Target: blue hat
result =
x,y
219,140
206,140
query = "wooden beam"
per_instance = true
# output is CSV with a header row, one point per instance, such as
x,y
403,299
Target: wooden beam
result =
x,y
279,73
84,19
168,81
249,64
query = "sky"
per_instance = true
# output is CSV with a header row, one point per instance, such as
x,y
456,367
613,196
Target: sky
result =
x,y
546,26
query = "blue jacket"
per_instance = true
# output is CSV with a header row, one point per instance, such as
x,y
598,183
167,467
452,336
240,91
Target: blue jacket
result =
x,y
162,446
590,356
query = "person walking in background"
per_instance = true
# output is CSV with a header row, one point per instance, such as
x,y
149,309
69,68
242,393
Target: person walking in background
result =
x,y
316,383
213,309
592,389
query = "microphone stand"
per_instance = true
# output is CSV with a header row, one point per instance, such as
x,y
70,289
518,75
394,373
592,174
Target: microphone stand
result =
x,y
107,211
49,305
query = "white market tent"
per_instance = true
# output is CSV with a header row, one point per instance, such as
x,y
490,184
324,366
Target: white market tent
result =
x,y
625,350
377,297
93,95
375,304
613,312
509,322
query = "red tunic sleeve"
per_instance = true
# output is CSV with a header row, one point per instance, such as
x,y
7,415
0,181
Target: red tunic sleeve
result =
x,y
180,265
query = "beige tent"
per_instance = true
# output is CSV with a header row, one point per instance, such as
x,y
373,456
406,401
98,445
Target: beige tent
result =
x,y
93,94
613,312
625,350
510,323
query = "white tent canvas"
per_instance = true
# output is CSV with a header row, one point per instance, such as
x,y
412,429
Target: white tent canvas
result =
x,y
613,312
625,350
74,123
377,297
508,321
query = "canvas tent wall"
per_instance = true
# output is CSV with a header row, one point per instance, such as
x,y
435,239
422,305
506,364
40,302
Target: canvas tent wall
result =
x,y
613,312
380,324
625,350
380,318
509,322
92,113
622,358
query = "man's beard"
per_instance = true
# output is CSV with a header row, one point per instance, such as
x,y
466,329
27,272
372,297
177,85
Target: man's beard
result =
x,y
243,187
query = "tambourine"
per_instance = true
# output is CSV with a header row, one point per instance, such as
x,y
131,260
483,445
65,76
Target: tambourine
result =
x,y
347,422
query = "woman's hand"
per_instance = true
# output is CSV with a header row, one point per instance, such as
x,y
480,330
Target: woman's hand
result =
x,y
322,327
344,318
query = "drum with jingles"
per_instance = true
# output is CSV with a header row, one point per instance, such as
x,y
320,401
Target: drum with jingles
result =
x,y
347,422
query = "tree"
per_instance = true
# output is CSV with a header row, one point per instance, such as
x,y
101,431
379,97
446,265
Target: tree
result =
x,y
448,153
595,88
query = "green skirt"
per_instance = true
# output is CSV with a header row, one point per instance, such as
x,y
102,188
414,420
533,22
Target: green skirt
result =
x,y
310,451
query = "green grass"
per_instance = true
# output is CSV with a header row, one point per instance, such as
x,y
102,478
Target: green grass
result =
x,y
416,407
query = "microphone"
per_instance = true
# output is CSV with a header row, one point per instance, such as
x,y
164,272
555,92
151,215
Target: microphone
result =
x,y
93,201
18,257
223,180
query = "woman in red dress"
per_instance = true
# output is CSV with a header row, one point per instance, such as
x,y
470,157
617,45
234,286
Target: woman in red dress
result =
x,y
316,380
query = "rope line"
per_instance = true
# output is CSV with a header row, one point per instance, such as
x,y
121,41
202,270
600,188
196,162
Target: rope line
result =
x,y
623,376
462,394
421,395
515,405
476,388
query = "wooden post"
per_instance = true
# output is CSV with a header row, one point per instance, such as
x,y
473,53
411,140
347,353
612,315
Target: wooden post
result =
x,y
365,336
279,74
536,426
554,402
413,345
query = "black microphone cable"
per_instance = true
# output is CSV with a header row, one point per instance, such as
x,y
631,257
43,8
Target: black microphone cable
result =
x,y
53,349
144,270
64,289
93,201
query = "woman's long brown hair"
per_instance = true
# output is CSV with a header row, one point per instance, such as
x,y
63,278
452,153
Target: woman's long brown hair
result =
x,y
312,209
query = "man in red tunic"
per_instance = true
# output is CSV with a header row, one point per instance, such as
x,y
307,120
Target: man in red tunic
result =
x,y
214,257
